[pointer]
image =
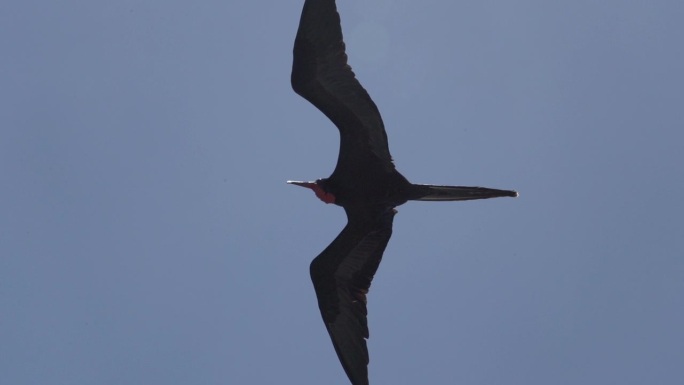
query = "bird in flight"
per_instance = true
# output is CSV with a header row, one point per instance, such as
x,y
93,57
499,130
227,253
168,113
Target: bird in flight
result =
x,y
365,183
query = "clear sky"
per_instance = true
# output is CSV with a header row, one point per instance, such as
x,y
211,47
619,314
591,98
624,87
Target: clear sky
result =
x,y
147,235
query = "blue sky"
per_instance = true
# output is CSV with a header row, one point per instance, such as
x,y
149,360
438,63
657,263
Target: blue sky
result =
x,y
147,235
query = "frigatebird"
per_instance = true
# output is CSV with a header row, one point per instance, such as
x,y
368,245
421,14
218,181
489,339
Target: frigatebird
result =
x,y
365,183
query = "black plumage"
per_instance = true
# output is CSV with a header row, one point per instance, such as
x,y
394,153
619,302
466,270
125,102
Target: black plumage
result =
x,y
365,183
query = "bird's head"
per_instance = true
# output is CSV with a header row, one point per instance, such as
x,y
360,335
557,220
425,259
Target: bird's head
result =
x,y
318,188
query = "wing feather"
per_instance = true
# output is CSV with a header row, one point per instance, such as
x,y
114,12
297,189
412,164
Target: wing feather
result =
x,y
321,75
342,275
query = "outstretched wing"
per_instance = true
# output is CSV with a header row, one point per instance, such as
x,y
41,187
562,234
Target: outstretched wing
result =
x,y
321,75
342,275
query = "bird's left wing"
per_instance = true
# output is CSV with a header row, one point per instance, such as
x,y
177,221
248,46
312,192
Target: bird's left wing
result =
x,y
321,75
342,275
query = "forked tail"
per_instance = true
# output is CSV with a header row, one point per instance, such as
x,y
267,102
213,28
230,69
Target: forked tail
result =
x,y
426,192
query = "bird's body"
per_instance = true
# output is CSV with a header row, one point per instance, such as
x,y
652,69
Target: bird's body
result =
x,y
365,183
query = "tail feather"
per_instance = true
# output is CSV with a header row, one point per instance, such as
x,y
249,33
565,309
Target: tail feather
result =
x,y
426,192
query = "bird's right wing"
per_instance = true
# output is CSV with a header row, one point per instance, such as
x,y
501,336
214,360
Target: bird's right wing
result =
x,y
321,75
342,275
